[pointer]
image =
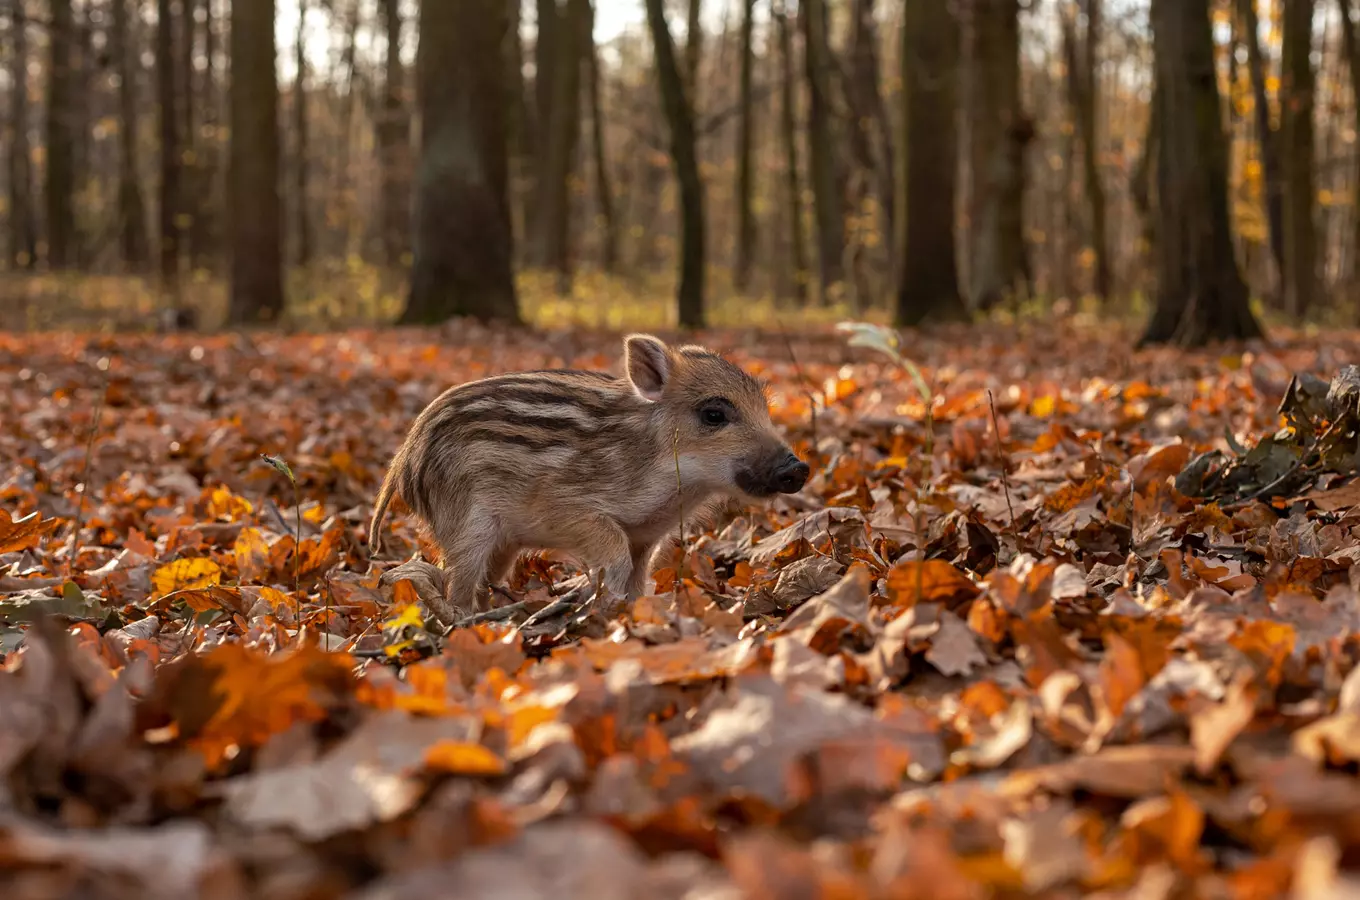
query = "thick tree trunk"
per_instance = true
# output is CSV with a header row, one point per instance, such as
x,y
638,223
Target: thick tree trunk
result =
x,y
205,232
551,234
1296,145
873,136
171,157
23,230
793,190
604,199
1082,88
1265,134
928,283
694,41
827,184
684,156
256,214
746,223
302,149
394,144
462,234
999,132
191,171
61,137
132,233
1351,42
1200,292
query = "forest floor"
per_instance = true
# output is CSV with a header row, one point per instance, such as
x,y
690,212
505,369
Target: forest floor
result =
x,y
1035,643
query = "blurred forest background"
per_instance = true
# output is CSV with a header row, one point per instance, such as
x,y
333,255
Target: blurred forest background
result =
x,y
1191,163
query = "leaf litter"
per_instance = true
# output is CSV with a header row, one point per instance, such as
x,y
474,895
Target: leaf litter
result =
x,y
1043,622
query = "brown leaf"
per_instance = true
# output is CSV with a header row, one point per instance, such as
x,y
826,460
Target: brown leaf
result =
x,y
23,533
931,581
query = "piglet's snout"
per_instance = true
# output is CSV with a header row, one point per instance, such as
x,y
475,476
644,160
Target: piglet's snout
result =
x,y
789,475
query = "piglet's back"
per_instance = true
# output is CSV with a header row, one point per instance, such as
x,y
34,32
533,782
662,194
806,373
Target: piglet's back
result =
x,y
518,431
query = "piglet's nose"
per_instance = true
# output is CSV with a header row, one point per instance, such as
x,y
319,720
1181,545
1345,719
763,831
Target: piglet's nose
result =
x,y
791,475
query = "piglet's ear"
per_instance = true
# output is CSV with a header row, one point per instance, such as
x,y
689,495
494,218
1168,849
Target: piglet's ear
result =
x,y
649,365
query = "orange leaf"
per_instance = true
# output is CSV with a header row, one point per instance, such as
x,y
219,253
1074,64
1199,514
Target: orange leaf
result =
x,y
463,758
24,533
185,574
252,555
934,580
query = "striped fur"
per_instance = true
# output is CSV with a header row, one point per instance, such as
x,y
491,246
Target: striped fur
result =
x,y
583,462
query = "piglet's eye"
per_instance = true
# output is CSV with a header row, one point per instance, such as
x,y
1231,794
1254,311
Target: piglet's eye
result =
x,y
713,415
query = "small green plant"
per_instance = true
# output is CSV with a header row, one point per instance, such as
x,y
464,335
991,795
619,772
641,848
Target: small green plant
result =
x,y
278,464
887,341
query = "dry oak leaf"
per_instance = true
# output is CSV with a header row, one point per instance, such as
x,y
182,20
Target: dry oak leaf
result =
x,y
464,758
368,777
252,555
24,533
752,745
1119,771
1215,727
185,574
931,581
954,648
232,696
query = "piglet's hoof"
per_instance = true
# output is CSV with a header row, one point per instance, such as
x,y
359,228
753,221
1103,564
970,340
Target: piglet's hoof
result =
x,y
429,582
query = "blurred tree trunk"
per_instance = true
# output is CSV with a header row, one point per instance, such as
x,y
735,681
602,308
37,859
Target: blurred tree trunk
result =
x,y
827,186
1351,42
461,230
609,236
694,40
1082,86
999,132
132,233
1200,293
302,148
684,156
205,236
23,230
255,214
1296,150
746,223
873,136
788,106
1266,134
344,192
561,135
1141,186
394,144
517,129
61,137
171,157
191,171
928,282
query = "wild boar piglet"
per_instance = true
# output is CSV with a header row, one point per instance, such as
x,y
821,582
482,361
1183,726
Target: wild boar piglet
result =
x,y
586,463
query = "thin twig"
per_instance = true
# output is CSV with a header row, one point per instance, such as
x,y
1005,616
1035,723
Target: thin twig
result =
x,y
1005,465
105,366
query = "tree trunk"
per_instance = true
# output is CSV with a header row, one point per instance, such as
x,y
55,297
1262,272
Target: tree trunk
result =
x,y
171,158
684,156
61,137
1351,42
132,234
874,133
256,215
1296,151
1081,91
191,172
999,132
302,149
793,190
552,244
928,282
394,144
344,175
462,235
694,39
604,199
205,233
827,196
1200,292
746,223
1265,134
23,231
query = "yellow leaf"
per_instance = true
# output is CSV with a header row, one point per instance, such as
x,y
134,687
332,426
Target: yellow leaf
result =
x,y
395,649
1043,407
185,574
409,615
252,555
461,758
